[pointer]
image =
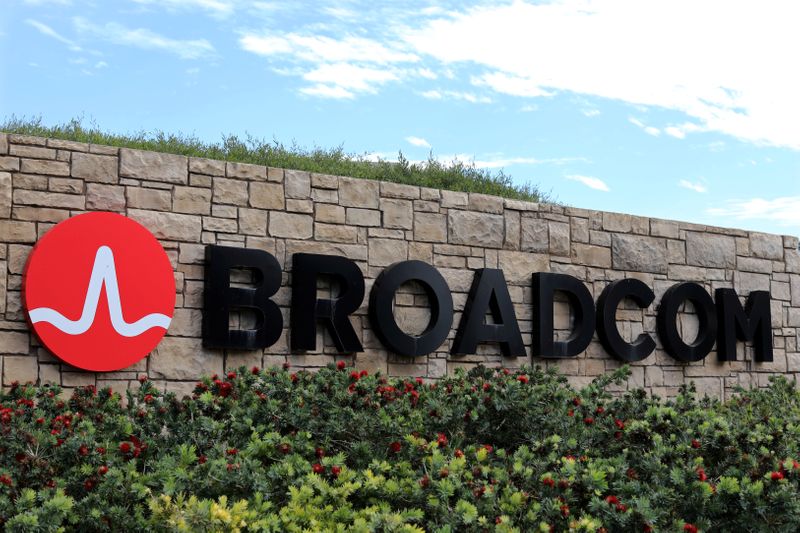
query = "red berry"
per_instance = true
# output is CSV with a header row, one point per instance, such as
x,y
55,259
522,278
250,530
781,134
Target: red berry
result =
x,y
695,444
776,476
336,470
102,470
318,468
340,365
395,446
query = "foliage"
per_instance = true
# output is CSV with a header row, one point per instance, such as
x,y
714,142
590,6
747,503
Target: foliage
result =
x,y
488,450
455,176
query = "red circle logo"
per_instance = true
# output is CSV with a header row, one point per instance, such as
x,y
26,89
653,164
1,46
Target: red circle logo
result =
x,y
99,291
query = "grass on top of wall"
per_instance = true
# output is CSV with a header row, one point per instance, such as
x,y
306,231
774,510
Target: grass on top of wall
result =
x,y
454,176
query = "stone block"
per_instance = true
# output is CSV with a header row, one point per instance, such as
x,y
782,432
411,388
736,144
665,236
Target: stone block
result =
x,y
331,213
9,164
33,152
22,369
359,193
512,236
297,184
184,358
155,199
295,205
559,238
291,225
169,226
97,168
246,171
485,203
105,197
192,200
3,143
5,195
399,190
467,227
68,185
617,222
42,166
767,246
709,250
209,167
639,253
454,199
324,181
363,217
169,168
49,199
397,213
589,255
384,252
267,195
14,342
335,232
535,236
356,252
430,227
664,228
519,266
252,221
230,191
15,231
219,224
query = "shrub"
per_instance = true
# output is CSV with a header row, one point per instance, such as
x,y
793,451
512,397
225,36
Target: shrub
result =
x,y
278,450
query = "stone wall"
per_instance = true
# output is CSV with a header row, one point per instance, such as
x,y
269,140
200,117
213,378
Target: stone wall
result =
x,y
188,203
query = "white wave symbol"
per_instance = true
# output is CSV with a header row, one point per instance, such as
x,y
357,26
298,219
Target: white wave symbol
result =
x,y
103,271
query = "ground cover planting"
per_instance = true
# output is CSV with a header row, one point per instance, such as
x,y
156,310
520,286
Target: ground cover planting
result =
x,y
339,449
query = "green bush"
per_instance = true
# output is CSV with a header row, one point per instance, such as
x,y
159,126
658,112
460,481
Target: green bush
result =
x,y
454,176
487,450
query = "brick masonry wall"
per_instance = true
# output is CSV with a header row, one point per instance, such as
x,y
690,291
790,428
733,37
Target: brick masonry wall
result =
x,y
189,202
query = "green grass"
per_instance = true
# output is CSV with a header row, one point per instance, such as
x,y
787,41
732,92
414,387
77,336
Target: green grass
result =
x,y
454,176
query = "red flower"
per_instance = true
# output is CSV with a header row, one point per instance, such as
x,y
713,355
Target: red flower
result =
x,y
576,401
6,480
612,500
619,423
563,484
40,420
488,448
354,375
100,450
776,476
570,412
319,452
617,435
202,459
565,511
293,377
442,439
621,507
88,484
125,447
549,482
336,470
522,379
395,447
232,466
318,468
690,528
695,444
102,470
148,398
419,381
424,482
588,420
363,374
83,450
231,375
647,528
284,448
600,410
286,366
232,451
701,474
255,370
459,453
340,365
142,378
225,389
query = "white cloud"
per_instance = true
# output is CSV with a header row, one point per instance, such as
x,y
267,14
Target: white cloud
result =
x,y
100,64
350,78
146,39
323,49
418,141
44,29
590,181
328,91
675,55
513,85
650,130
456,95
590,112
783,210
43,2
693,186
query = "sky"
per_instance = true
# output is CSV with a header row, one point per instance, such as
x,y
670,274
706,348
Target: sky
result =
x,y
678,109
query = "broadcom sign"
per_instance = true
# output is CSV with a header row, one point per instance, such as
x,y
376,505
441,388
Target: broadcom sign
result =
x,y
99,292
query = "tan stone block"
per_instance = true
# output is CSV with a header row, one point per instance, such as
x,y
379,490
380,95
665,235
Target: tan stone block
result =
x,y
485,203
297,184
192,200
559,238
267,195
330,213
9,164
34,152
3,287
42,166
324,181
767,246
275,174
399,190
50,374
22,369
209,167
3,143
335,232
359,193
596,256
5,195
155,199
17,257
14,342
68,185
467,227
49,199
384,252
291,225
454,199
639,253
246,171
184,358
294,205
230,191
664,228
519,266
704,249
617,222
535,235
430,227
169,226
14,231
397,213
356,252
224,225
72,146
363,217
185,323
105,197
155,166
99,168
252,221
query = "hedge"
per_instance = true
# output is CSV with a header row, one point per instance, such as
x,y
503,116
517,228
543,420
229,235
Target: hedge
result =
x,y
341,450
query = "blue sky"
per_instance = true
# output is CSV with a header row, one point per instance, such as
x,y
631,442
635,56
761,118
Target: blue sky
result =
x,y
682,110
